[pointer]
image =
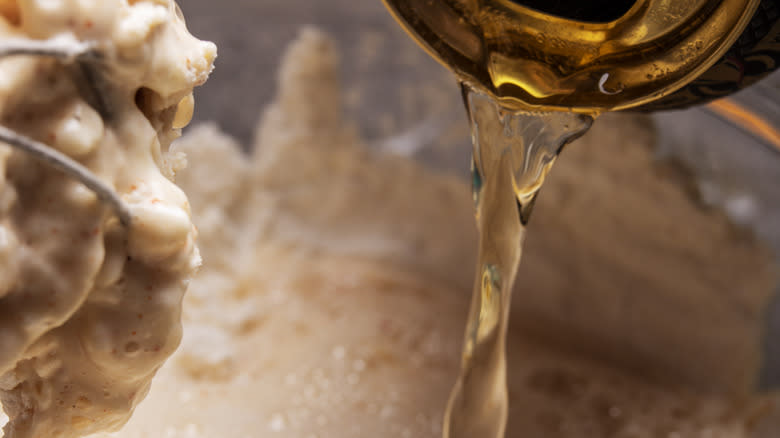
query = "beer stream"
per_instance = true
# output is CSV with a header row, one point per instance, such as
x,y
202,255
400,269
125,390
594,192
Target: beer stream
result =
x,y
512,153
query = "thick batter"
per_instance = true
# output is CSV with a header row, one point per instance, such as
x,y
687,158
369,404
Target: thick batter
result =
x,y
90,308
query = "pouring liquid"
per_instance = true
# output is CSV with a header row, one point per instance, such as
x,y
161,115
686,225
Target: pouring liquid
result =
x,y
512,153
531,57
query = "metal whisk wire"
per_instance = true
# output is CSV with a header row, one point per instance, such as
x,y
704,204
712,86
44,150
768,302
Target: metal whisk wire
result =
x,y
67,50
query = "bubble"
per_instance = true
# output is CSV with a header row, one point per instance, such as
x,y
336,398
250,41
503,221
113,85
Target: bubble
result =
x,y
185,396
132,347
277,423
339,352
191,431
387,411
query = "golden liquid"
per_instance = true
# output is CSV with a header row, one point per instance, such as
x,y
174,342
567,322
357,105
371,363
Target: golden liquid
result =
x,y
526,58
513,152
526,76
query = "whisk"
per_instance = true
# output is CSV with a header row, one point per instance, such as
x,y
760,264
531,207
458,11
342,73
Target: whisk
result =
x,y
86,59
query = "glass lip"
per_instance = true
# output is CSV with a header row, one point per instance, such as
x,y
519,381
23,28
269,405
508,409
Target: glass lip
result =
x,y
468,60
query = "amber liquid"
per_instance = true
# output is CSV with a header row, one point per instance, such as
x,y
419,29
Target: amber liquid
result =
x,y
527,58
513,152
534,81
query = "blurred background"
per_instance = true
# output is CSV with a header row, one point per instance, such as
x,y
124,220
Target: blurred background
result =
x,y
404,101
393,89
